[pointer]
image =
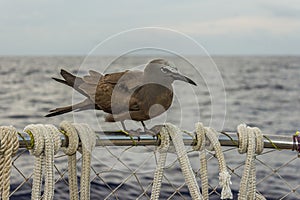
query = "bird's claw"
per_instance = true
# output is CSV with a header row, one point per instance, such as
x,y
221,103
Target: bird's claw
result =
x,y
133,133
151,132
154,131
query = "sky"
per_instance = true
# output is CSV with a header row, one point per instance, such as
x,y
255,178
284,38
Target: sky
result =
x,y
232,27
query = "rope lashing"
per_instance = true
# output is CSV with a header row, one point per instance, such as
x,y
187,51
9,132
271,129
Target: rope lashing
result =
x,y
296,142
46,143
162,149
87,136
183,159
204,134
250,141
9,145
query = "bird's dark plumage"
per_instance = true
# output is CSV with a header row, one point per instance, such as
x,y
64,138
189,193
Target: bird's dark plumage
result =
x,y
135,95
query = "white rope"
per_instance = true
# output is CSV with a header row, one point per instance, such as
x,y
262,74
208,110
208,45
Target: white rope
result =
x,y
37,152
52,145
87,136
73,140
88,143
162,149
9,145
224,175
203,134
250,141
46,143
200,146
186,168
71,131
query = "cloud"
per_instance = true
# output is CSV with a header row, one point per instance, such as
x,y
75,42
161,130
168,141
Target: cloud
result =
x,y
242,25
43,26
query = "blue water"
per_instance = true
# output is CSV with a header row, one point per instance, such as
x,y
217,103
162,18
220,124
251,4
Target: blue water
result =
x,y
260,91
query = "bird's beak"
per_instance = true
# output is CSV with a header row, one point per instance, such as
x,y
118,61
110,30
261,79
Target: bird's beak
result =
x,y
181,77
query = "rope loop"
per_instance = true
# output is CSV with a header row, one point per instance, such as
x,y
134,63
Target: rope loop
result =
x,y
158,175
46,143
170,132
250,141
210,136
186,168
88,143
245,133
87,136
9,138
199,137
54,132
259,140
200,146
35,131
164,140
72,138
9,145
71,135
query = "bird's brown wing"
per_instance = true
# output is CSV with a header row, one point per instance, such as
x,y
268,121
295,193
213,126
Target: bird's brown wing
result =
x,y
89,84
146,102
128,79
93,77
114,91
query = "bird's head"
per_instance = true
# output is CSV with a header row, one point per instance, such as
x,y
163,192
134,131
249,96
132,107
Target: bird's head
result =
x,y
162,70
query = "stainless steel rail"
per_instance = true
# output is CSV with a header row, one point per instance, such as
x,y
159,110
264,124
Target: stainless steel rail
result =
x,y
120,139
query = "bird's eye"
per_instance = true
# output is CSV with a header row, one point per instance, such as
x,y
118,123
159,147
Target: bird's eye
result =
x,y
163,69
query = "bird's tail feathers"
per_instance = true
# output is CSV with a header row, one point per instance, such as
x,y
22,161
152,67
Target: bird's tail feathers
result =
x,y
60,81
84,105
70,79
86,86
59,111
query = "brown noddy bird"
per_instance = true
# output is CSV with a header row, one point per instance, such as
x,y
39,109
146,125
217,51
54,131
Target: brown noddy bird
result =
x,y
128,95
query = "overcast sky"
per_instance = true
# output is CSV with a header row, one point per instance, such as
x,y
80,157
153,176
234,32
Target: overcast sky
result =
x,y
57,27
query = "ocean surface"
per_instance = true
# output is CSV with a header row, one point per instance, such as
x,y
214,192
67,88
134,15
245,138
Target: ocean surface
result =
x,y
260,91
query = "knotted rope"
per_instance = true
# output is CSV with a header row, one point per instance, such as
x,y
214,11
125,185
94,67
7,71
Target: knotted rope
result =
x,y
46,143
73,141
186,168
88,143
250,141
200,146
87,136
162,149
203,134
9,145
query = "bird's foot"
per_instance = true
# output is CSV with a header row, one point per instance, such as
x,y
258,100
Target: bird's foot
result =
x,y
133,133
154,131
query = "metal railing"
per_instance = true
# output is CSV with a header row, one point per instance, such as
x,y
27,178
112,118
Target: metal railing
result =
x,y
123,167
118,138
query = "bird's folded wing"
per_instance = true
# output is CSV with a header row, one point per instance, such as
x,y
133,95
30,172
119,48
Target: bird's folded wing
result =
x,y
127,79
125,85
90,82
115,89
93,77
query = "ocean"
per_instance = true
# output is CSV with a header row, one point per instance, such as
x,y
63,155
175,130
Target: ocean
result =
x,y
260,91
